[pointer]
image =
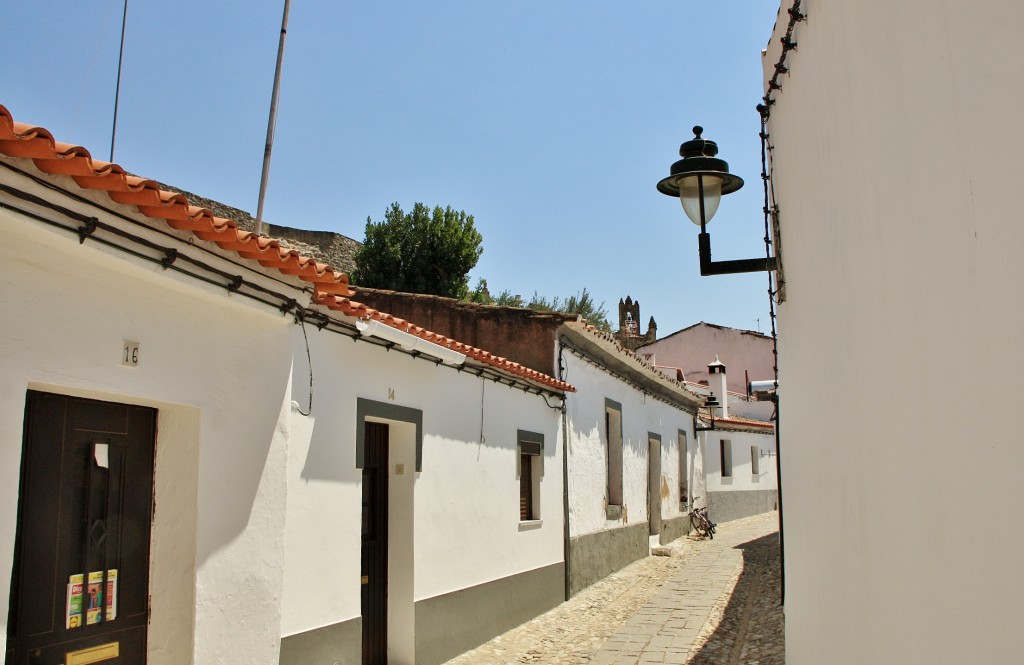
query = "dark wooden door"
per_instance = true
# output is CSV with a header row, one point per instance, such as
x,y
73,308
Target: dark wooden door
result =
x,y
375,546
80,583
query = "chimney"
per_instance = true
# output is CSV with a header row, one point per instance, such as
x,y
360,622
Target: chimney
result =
x,y
717,384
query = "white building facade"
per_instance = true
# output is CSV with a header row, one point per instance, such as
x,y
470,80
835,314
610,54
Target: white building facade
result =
x,y
633,462
896,159
463,563
238,483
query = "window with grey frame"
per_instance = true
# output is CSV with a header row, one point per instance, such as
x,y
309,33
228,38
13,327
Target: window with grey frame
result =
x,y
613,450
725,447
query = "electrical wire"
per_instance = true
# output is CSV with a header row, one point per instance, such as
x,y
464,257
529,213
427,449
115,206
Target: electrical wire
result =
x,y
114,213
117,88
776,290
172,258
302,324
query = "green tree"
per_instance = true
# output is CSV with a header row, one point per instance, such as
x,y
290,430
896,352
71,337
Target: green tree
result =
x,y
422,251
582,304
482,295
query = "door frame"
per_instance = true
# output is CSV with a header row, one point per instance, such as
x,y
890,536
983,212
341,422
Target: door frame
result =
x,y
85,507
405,456
173,537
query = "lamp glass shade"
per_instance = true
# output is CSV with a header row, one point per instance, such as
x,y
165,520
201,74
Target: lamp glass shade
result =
x,y
689,195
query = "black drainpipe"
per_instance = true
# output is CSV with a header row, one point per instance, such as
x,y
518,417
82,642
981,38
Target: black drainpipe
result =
x,y
778,485
565,475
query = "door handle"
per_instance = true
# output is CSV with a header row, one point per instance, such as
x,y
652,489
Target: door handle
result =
x,y
365,579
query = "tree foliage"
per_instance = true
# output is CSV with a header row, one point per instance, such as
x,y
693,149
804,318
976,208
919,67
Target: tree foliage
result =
x,y
582,304
422,251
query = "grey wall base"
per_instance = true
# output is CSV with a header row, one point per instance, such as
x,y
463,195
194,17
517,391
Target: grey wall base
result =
x,y
596,555
726,506
445,625
340,644
674,528
456,622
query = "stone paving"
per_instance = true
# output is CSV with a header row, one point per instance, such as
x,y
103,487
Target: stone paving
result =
x,y
713,602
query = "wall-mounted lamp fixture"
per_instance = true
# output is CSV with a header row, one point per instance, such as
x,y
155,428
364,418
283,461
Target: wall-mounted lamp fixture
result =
x,y
410,342
711,404
700,180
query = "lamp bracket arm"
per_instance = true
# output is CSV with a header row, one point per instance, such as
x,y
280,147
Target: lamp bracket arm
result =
x,y
709,267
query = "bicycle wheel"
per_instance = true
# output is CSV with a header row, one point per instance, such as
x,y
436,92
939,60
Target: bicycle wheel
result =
x,y
709,525
697,524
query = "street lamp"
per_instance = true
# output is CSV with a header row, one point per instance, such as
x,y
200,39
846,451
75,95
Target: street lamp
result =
x,y
711,404
700,180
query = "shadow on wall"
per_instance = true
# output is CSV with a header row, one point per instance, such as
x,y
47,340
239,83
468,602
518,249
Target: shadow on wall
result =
x,y
332,440
330,454
241,475
753,625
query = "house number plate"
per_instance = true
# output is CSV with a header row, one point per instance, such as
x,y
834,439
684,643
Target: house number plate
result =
x,y
130,354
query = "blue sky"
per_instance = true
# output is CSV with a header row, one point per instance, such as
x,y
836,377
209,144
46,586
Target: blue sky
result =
x,y
550,122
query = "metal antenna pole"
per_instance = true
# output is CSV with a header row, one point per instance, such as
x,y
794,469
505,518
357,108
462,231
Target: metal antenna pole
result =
x,y
272,122
117,89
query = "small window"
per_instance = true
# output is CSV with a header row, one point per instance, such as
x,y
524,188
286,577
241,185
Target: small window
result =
x,y
755,460
531,469
726,449
613,449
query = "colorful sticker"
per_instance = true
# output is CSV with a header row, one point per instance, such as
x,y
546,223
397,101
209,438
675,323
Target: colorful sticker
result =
x,y
85,601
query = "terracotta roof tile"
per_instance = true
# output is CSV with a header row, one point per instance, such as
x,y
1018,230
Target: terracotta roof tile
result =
x,y
331,286
359,310
50,156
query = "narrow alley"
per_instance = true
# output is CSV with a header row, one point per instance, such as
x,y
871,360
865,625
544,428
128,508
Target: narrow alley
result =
x,y
713,602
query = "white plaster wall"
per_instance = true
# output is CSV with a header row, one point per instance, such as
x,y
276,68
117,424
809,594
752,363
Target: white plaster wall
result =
x,y
465,501
217,544
897,164
641,415
743,479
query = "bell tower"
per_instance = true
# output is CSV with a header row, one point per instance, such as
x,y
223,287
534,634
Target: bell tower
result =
x,y
629,335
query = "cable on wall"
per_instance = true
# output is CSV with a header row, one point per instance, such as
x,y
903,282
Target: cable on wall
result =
x,y
483,388
776,290
90,229
242,265
301,320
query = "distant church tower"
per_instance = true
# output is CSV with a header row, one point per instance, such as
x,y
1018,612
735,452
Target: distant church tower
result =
x,y
629,325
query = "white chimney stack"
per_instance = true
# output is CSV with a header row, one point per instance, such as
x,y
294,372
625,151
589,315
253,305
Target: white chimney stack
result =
x,y
717,384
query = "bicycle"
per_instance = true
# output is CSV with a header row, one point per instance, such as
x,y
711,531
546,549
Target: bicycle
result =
x,y
701,523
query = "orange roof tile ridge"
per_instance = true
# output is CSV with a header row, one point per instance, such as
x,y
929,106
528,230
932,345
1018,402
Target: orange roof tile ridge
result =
x,y
18,139
357,309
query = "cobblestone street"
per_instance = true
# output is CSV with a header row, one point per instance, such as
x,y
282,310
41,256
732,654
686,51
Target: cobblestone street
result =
x,y
713,602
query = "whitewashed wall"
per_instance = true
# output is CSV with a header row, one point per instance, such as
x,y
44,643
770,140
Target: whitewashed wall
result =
x,y
465,500
218,546
588,455
898,143
236,459
743,479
